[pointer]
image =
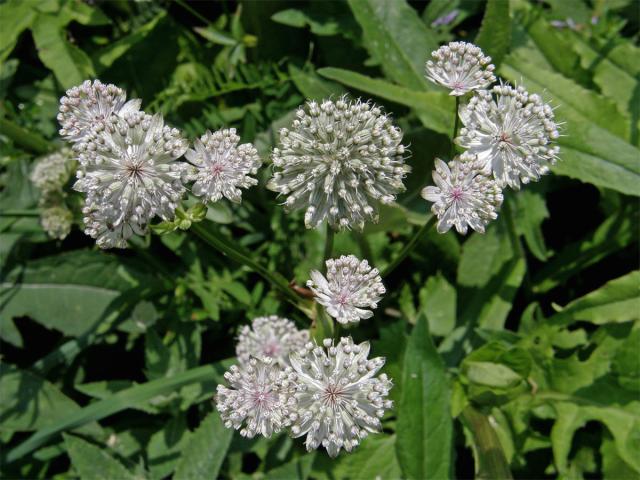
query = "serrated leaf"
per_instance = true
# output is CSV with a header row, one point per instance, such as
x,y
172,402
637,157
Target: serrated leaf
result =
x,y
374,457
203,454
424,425
494,36
616,301
397,38
94,463
165,446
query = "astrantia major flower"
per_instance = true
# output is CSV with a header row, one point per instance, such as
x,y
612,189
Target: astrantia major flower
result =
x,y
349,290
223,165
270,337
129,173
460,67
338,161
339,398
51,172
463,196
511,133
56,221
259,398
91,104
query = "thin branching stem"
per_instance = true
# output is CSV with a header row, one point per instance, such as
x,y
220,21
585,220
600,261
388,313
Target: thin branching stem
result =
x,y
408,248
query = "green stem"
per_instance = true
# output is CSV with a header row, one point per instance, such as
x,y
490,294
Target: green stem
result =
x,y
491,462
24,138
409,246
456,125
193,12
223,245
363,244
328,247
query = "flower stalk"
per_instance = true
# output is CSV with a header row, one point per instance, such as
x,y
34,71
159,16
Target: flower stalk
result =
x,y
408,248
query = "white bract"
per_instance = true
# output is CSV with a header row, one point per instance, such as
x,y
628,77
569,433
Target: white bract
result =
x,y
338,161
349,290
259,399
270,337
463,196
129,173
460,67
223,166
339,398
511,134
91,104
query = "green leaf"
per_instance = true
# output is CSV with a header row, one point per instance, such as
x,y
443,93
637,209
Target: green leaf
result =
x,y
165,446
531,211
616,301
324,19
94,463
491,374
70,65
75,291
374,457
397,38
435,109
297,469
424,426
15,17
626,363
312,86
494,36
438,303
30,402
207,376
592,145
613,466
203,454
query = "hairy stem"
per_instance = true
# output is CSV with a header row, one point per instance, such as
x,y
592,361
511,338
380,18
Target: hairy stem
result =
x,y
408,248
491,463
223,245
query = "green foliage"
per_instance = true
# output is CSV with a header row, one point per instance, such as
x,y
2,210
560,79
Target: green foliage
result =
x,y
517,348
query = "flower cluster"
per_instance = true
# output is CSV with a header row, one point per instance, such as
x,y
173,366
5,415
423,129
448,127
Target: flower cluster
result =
x,y
50,175
463,195
511,132
270,337
339,160
460,67
508,135
130,167
349,290
223,167
330,393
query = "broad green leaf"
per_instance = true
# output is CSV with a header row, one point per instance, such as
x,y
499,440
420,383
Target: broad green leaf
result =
x,y
324,19
203,454
397,38
424,426
30,402
531,211
312,86
94,463
15,17
589,150
374,457
435,109
614,234
613,466
298,469
165,446
616,301
438,303
70,65
73,292
208,376
494,36
491,374
105,58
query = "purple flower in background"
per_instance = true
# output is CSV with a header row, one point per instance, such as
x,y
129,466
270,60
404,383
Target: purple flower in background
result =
x,y
445,19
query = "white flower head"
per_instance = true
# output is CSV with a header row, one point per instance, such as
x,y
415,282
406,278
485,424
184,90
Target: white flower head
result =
x,y
56,221
339,398
51,172
349,290
463,196
259,399
101,223
270,337
91,104
512,134
128,170
460,67
223,165
338,161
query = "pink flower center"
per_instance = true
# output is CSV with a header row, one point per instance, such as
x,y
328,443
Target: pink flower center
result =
x,y
332,394
216,169
271,349
457,193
